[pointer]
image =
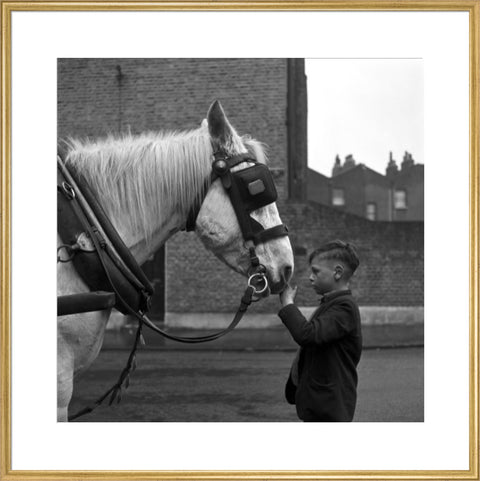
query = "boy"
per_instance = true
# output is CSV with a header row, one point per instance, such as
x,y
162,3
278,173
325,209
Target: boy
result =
x,y
323,380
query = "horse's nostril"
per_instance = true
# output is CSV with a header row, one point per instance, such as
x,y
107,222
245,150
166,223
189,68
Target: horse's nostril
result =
x,y
287,273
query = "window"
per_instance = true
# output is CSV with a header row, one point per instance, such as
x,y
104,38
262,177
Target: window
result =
x,y
372,211
400,199
338,197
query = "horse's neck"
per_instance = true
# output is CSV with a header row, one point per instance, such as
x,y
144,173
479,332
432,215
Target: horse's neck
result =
x,y
164,226
166,217
142,249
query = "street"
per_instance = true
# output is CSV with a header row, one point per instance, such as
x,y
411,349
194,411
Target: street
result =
x,y
199,385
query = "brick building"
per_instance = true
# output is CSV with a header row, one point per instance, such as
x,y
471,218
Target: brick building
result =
x,y
355,188
266,98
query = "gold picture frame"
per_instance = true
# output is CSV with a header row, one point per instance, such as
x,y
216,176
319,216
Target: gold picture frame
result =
x,y
8,7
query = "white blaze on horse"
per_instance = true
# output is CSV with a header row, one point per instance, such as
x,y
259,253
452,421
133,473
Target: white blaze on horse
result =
x,y
148,186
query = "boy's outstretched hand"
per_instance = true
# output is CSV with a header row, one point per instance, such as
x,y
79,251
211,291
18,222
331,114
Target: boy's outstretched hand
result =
x,y
287,296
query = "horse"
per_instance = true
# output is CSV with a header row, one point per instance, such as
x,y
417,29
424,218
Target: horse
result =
x,y
147,185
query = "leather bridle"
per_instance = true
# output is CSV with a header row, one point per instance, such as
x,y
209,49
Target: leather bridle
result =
x,y
249,189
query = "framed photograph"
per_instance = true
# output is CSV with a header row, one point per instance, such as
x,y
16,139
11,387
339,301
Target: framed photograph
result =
x,y
352,123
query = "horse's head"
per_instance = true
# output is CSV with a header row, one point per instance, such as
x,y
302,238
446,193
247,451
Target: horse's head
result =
x,y
223,226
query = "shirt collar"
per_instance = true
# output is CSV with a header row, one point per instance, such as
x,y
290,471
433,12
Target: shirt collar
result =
x,y
334,294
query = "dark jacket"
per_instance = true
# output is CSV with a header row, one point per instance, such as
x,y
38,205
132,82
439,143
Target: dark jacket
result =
x,y
331,345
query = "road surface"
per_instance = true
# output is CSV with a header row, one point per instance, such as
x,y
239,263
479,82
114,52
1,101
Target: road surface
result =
x,y
178,385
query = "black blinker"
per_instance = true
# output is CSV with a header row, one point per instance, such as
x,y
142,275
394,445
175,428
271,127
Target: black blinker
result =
x,y
249,189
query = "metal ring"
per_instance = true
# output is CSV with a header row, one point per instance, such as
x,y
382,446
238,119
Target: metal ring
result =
x,y
70,253
258,274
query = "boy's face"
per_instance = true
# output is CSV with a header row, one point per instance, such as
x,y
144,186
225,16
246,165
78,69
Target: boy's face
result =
x,y
323,275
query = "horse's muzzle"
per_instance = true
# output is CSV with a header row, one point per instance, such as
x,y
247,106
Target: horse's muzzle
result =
x,y
285,276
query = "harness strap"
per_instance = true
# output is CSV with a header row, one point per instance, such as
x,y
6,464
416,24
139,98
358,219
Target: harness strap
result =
x,y
112,234
280,230
103,259
244,303
117,250
85,302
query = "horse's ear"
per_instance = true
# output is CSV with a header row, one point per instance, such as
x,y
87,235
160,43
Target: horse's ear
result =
x,y
219,127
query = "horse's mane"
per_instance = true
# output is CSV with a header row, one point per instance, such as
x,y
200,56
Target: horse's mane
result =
x,y
148,174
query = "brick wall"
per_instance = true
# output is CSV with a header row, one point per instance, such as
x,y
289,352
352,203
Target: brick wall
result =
x,y
173,94
390,273
100,96
391,253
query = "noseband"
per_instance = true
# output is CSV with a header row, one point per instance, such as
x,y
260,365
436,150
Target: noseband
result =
x,y
248,189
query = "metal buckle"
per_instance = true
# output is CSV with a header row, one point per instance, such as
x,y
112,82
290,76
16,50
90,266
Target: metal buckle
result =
x,y
220,167
85,243
68,190
262,276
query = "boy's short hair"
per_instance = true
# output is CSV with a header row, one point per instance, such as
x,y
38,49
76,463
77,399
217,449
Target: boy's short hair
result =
x,y
340,250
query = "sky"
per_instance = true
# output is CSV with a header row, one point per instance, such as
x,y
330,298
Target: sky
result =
x,y
364,107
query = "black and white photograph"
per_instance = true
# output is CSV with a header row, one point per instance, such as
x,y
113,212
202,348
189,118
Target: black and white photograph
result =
x,y
240,240
258,259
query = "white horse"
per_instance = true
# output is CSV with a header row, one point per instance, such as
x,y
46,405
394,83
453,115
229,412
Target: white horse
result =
x,y
147,185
